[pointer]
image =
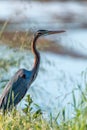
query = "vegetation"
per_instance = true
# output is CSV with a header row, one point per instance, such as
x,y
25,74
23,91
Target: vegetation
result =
x,y
34,120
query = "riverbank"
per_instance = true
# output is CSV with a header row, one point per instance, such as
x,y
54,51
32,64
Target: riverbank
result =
x,y
24,39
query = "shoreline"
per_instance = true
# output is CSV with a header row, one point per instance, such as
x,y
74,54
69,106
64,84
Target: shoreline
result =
x,y
24,39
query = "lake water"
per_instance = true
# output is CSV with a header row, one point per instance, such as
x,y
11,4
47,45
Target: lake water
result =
x,y
58,75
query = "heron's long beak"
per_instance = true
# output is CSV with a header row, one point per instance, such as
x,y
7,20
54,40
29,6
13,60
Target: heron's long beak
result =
x,y
54,32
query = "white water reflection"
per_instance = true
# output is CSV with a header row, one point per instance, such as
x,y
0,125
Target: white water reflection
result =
x,y
44,14
73,40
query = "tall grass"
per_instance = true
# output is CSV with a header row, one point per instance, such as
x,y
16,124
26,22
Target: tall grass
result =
x,y
28,119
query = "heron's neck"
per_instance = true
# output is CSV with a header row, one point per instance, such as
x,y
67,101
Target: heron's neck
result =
x,y
36,54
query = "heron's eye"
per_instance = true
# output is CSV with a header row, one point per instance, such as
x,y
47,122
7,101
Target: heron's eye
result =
x,y
23,76
39,33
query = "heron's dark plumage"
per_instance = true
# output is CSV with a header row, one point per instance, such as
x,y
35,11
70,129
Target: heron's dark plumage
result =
x,y
15,89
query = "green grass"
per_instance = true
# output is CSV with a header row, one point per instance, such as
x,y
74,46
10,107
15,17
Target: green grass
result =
x,y
28,119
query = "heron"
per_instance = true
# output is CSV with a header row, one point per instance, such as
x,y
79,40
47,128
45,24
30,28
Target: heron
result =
x,y
18,85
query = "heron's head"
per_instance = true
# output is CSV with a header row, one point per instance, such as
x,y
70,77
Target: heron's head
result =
x,y
46,32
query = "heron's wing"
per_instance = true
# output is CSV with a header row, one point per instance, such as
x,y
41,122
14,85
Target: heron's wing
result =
x,y
16,81
13,93
16,89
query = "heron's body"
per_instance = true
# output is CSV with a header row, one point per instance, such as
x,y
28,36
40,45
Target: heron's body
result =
x,y
17,87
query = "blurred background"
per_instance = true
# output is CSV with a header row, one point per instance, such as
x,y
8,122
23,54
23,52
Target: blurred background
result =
x,y
63,56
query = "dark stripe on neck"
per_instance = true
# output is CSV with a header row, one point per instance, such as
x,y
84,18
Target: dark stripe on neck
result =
x,y
36,54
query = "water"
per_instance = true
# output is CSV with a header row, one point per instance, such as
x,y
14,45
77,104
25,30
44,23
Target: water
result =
x,y
35,15
74,40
